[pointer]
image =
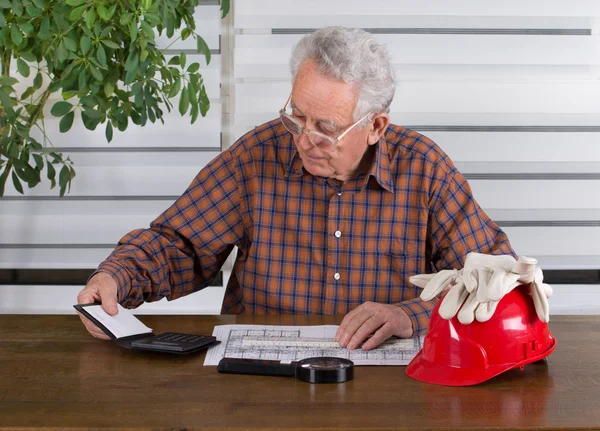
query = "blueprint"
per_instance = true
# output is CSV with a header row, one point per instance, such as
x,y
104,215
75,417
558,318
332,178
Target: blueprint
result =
x,y
292,343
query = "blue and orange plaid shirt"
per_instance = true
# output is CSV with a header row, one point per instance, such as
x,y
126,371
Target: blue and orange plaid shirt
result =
x,y
306,244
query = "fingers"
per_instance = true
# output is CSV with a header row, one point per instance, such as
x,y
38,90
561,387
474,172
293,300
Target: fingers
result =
x,y
420,280
382,334
466,314
453,300
103,289
379,320
438,283
351,323
93,329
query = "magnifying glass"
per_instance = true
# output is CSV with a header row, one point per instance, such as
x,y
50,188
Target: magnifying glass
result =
x,y
312,370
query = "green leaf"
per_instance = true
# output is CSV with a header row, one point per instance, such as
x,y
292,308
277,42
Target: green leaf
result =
x,y
174,60
17,7
96,73
125,18
28,56
94,114
111,44
40,4
75,3
90,18
5,4
70,44
16,35
62,52
101,55
77,13
68,94
148,31
39,161
203,48
66,122
33,11
51,175
192,95
225,7
109,89
103,12
7,80
182,59
194,113
26,27
133,31
61,108
63,179
86,44
194,67
184,101
17,183
132,62
38,81
83,80
45,33
109,131
23,67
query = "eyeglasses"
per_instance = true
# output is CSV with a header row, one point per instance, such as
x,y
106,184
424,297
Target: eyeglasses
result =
x,y
319,140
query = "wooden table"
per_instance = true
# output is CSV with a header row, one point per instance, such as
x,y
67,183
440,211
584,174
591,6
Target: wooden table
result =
x,y
54,375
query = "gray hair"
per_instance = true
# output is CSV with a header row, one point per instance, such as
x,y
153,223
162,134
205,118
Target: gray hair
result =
x,y
353,56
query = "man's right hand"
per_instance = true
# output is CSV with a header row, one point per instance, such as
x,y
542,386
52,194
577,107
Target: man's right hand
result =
x,y
101,288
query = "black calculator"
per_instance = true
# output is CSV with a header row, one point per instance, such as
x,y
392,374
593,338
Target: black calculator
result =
x,y
174,342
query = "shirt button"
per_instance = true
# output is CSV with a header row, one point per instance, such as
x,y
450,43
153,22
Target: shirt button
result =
x,y
337,275
339,193
338,233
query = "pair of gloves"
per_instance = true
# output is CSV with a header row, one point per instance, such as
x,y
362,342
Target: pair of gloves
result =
x,y
475,291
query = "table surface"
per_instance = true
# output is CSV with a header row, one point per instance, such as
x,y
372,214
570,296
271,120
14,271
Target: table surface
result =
x,y
54,375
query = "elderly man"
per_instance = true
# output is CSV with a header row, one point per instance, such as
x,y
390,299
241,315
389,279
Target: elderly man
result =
x,y
332,209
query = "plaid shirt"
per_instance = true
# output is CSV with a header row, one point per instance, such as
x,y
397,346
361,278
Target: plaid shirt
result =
x,y
306,244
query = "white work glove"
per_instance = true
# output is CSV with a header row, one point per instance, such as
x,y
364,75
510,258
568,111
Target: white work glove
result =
x,y
524,271
475,290
487,271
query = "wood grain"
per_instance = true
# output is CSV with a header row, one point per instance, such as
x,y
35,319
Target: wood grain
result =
x,y
54,375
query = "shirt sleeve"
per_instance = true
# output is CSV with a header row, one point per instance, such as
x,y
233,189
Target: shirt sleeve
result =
x,y
185,247
457,226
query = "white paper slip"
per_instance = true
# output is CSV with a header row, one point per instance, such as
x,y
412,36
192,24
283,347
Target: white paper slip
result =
x,y
292,343
124,324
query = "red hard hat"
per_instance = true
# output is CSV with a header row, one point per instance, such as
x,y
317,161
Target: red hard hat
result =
x,y
454,354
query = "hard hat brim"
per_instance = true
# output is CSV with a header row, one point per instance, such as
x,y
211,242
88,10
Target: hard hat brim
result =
x,y
429,372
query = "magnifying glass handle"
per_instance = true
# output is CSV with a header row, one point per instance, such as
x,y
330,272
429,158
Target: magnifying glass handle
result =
x,y
257,367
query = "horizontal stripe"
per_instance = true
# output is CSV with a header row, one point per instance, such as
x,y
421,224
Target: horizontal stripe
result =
x,y
90,198
46,277
563,129
534,176
175,51
548,223
133,149
492,31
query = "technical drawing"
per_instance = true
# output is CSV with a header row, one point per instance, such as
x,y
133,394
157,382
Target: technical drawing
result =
x,y
292,343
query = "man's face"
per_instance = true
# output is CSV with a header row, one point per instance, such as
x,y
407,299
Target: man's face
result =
x,y
326,105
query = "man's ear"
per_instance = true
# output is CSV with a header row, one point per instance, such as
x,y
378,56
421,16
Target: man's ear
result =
x,y
378,126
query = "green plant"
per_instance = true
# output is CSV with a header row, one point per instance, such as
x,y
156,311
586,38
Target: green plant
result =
x,y
101,55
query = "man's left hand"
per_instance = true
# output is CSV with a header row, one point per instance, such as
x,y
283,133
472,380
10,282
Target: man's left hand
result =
x,y
381,320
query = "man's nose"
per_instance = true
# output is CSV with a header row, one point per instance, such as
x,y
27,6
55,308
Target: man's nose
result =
x,y
303,142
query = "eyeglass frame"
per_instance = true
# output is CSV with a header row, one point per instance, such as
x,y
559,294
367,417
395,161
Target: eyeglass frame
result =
x,y
303,129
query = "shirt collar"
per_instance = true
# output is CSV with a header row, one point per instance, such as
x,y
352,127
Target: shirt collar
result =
x,y
380,168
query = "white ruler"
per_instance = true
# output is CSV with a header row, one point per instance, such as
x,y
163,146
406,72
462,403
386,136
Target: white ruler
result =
x,y
274,342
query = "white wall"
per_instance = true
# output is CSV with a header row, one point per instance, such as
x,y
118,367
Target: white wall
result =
x,y
510,90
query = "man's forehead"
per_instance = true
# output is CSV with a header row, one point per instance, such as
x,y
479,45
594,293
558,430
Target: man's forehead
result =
x,y
327,121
